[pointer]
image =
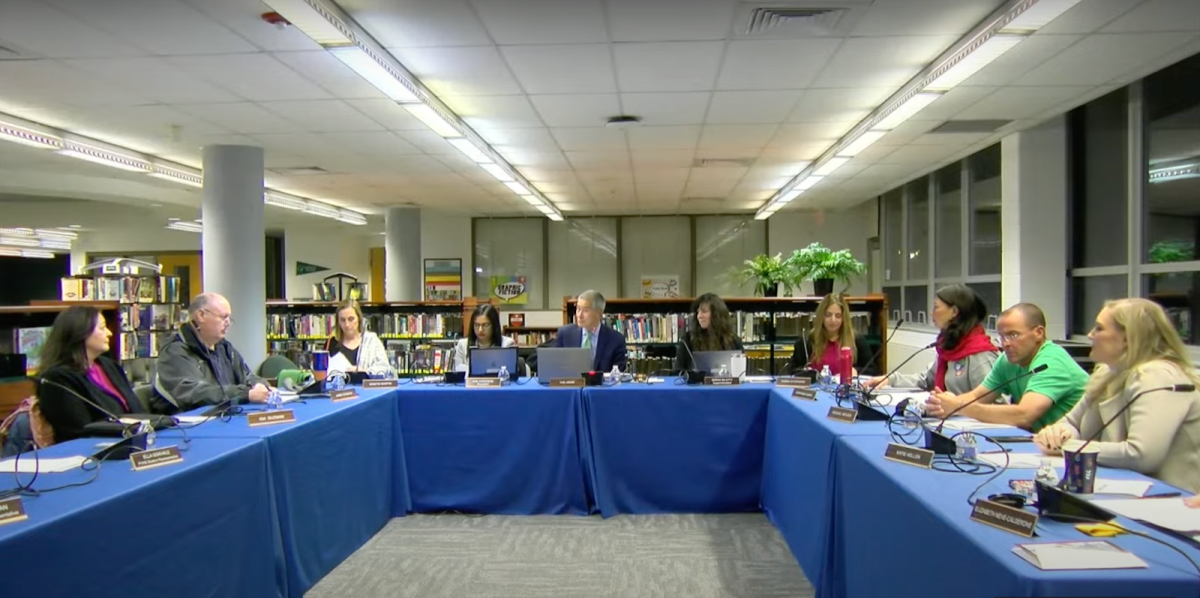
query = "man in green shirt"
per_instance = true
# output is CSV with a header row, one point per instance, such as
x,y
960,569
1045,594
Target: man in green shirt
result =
x,y
1039,399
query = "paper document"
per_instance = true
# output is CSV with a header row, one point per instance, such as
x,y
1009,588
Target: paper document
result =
x,y
1059,556
1130,487
288,396
192,419
967,423
1019,460
890,397
30,464
339,363
1170,513
754,379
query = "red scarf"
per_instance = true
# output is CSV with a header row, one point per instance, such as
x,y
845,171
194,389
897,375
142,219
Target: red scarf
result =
x,y
976,341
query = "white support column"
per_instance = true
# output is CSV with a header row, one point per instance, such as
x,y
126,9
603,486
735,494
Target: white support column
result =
x,y
402,249
233,242
1033,215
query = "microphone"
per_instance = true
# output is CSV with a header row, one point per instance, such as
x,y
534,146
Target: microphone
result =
x,y
941,444
882,348
1171,388
690,375
135,437
1037,370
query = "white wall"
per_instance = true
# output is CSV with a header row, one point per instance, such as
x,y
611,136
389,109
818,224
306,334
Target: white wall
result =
x,y
446,236
344,252
849,228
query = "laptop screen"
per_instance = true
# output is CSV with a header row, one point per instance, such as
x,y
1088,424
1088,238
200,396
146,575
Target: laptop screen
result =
x,y
487,362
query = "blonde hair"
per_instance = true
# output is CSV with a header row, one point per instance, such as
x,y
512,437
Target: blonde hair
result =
x,y
343,306
820,336
1149,337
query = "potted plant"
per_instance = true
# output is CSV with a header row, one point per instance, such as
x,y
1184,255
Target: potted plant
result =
x,y
823,266
767,273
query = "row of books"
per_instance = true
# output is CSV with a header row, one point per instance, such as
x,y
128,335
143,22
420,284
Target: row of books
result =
x,y
407,357
121,288
751,327
142,343
151,317
649,362
530,339
321,326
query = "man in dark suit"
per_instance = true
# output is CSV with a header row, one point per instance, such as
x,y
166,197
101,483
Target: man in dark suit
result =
x,y
589,330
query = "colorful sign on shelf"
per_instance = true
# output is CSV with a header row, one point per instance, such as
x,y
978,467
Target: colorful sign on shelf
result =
x,y
512,290
443,280
660,287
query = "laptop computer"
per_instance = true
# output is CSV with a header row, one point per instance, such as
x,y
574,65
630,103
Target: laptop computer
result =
x,y
562,362
488,361
711,362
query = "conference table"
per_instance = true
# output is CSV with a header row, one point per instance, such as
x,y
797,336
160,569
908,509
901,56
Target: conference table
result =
x,y
268,511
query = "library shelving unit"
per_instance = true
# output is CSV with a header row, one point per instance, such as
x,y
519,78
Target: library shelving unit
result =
x,y
418,335
768,326
530,336
150,305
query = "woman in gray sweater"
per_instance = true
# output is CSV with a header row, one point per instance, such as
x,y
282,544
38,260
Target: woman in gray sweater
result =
x,y
965,352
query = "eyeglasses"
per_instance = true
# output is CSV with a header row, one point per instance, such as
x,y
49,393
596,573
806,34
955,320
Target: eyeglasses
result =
x,y
483,325
223,318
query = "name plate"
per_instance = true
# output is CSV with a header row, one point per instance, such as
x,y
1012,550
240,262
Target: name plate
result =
x,y
482,382
158,457
270,418
1021,523
568,382
842,414
12,511
342,395
793,382
808,394
721,381
379,383
909,455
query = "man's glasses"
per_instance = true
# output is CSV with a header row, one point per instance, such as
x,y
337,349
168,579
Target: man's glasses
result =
x,y
224,318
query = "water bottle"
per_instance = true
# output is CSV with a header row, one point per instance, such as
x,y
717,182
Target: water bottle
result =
x,y
826,376
1046,472
503,375
274,400
964,446
148,430
335,381
912,415
615,374
723,371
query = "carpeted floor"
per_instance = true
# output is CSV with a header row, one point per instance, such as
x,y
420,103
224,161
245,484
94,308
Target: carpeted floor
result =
x,y
667,556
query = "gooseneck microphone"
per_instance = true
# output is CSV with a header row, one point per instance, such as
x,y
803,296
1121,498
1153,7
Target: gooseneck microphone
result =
x,y
1171,388
868,393
1037,370
688,374
134,437
944,445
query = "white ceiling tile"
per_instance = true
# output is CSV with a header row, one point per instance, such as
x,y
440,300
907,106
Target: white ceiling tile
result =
x,y
153,79
669,20
885,171
45,31
953,102
1158,15
389,114
162,27
590,139
415,23
1088,17
523,139
751,107
1026,55
709,188
245,19
297,144
331,74
39,81
926,17
1101,58
659,192
323,116
378,144
460,71
521,158
494,112
241,117
576,110
425,140
1020,102
907,131
916,155
648,138
543,21
883,61
796,133
736,136
839,104
661,175
598,160
663,158
667,108
725,153
255,77
670,66
580,68
776,64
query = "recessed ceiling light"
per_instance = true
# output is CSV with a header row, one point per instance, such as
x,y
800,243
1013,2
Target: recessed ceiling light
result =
x,y
74,226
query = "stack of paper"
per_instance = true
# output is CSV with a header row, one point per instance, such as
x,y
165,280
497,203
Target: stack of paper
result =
x,y
1130,487
1097,554
967,423
1018,460
29,464
1170,513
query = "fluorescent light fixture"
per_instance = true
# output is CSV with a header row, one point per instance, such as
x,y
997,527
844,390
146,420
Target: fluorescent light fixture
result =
x,y
24,136
808,182
828,167
188,227
36,253
498,171
56,234
20,232
975,59
285,201
176,175
432,119
1162,175
789,196
105,157
313,22
466,147
1037,16
555,217
320,209
905,111
20,241
375,72
517,188
532,200
54,244
863,142
352,217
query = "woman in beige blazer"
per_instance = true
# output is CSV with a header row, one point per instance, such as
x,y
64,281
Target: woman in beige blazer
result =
x,y
1137,350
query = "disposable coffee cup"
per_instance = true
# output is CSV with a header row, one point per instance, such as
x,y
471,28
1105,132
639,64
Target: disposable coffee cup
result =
x,y
320,363
1080,466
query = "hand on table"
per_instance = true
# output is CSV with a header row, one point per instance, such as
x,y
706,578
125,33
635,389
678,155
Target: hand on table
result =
x,y
1051,438
941,403
1193,502
876,382
259,393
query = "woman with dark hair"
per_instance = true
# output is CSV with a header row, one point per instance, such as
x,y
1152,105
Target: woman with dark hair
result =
x,y
710,327
485,332
965,352
72,360
831,330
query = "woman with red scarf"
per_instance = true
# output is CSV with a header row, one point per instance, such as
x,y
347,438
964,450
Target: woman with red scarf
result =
x,y
965,352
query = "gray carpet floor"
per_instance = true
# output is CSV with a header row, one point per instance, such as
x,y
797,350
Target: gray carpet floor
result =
x,y
650,556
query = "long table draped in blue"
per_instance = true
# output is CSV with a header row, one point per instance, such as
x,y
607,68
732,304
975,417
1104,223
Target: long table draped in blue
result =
x,y
512,450
898,523
338,475
675,449
204,527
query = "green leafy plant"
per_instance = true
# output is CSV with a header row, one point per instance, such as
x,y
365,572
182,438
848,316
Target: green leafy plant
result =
x,y
1165,252
818,262
768,273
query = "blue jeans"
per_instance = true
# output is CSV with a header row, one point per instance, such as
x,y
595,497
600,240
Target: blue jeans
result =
x,y
20,437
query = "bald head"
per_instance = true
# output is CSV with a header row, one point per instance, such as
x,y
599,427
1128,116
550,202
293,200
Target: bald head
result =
x,y
202,301
1031,314
211,315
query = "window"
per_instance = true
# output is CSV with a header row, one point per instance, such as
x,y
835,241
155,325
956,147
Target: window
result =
x,y
583,255
1100,162
918,229
1088,295
508,249
947,226
723,243
893,237
985,211
655,246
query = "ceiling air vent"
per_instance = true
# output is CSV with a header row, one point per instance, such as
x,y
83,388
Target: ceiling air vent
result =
x,y
774,20
969,126
723,163
298,170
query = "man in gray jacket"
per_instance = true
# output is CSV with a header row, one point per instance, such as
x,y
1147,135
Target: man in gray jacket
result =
x,y
198,367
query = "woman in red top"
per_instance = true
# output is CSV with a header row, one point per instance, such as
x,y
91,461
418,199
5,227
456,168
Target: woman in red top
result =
x,y
72,360
831,331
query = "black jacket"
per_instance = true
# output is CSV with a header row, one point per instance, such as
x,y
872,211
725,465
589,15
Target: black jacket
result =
x,y
188,375
863,354
683,357
67,414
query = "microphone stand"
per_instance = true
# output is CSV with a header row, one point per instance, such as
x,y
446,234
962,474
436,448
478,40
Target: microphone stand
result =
x,y
942,444
862,403
134,437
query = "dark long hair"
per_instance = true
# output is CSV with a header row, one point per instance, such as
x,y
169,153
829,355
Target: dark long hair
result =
x,y
66,345
493,316
719,336
972,312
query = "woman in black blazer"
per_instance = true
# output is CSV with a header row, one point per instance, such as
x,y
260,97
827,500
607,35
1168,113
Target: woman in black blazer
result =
x,y
830,330
72,362
710,327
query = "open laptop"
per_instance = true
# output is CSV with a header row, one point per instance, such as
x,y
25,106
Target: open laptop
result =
x,y
488,361
562,362
711,362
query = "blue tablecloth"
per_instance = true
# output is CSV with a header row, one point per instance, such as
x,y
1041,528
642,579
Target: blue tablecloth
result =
x,y
800,476
904,531
667,448
338,475
203,528
512,450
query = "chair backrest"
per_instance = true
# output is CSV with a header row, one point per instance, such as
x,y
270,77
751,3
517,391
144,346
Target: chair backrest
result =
x,y
274,364
145,392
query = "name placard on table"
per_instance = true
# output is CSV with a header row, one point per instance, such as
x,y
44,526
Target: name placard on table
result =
x,y
12,511
793,382
842,414
342,395
158,457
909,455
270,418
483,382
1009,519
379,383
808,394
721,381
567,382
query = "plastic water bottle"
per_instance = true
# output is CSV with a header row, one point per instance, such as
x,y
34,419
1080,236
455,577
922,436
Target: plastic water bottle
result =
x,y
723,371
1046,473
148,430
615,374
826,376
503,375
274,400
336,381
964,446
